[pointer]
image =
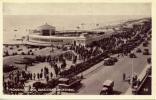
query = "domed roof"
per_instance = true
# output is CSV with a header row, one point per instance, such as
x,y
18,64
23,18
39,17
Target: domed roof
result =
x,y
46,26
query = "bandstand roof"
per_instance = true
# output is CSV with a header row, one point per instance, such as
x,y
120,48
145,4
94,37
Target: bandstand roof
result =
x,y
46,26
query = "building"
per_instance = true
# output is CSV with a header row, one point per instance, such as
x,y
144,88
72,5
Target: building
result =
x,y
46,35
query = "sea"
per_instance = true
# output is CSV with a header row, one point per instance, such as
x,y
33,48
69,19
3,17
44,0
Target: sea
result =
x,y
16,26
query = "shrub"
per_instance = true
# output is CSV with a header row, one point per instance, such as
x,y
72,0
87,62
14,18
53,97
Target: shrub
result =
x,y
52,83
8,68
39,85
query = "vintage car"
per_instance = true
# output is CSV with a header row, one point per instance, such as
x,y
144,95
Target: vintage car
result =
x,y
114,59
69,84
110,61
132,55
146,52
138,50
107,87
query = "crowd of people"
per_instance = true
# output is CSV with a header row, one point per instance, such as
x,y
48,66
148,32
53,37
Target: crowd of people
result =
x,y
17,79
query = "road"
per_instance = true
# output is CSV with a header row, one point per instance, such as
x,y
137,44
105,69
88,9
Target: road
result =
x,y
92,84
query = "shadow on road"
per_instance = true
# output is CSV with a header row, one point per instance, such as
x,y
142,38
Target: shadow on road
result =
x,y
116,92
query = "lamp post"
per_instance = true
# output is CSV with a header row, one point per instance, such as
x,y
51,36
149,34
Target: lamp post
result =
x,y
51,44
132,76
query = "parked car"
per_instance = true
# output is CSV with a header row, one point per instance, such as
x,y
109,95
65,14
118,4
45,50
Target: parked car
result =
x,y
146,52
149,60
145,44
132,55
138,50
69,84
114,59
108,62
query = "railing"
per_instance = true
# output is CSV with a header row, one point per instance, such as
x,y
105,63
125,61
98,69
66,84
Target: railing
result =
x,y
144,75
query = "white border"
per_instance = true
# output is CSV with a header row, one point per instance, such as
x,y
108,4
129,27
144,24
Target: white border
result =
x,y
84,96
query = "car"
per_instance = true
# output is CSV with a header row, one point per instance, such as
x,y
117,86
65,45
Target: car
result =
x,y
149,60
146,52
138,50
132,55
145,44
108,62
114,59
69,84
20,49
107,87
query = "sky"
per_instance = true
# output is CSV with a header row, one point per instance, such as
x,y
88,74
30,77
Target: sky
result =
x,y
77,9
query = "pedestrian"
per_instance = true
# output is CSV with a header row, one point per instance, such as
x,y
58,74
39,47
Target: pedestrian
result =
x,y
41,75
38,76
5,86
47,78
82,76
124,76
31,76
34,76
138,82
29,88
51,75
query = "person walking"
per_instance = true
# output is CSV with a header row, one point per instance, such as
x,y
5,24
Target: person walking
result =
x,y
31,77
124,76
38,76
47,78
41,75
34,76
51,75
41,70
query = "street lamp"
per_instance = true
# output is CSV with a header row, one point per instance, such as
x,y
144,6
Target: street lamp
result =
x,y
51,46
132,76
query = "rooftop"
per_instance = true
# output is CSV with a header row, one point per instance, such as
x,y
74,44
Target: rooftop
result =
x,y
46,26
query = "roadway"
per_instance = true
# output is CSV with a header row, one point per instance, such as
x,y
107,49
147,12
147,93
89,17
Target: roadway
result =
x,y
92,84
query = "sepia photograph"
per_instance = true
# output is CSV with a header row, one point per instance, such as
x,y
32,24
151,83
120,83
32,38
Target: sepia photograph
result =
x,y
77,48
